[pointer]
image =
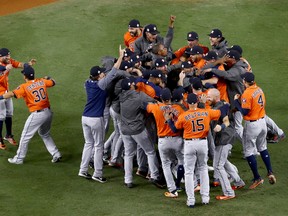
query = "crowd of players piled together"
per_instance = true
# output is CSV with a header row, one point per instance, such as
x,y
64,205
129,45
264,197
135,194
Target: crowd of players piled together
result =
x,y
190,102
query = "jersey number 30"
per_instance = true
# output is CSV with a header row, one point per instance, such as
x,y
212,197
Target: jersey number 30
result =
x,y
197,125
39,95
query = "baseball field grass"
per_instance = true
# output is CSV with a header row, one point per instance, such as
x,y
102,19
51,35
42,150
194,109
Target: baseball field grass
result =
x,y
68,37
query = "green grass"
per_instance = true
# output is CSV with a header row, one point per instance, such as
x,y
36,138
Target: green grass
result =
x,y
68,37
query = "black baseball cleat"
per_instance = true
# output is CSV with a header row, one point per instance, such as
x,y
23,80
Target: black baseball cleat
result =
x,y
158,183
99,179
129,185
85,175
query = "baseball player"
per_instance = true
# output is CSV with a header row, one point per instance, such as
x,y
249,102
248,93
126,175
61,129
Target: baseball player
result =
x,y
196,123
218,42
134,32
170,144
34,92
224,138
92,119
255,130
6,111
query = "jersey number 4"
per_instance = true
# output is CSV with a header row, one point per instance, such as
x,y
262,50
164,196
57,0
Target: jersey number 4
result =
x,y
39,95
197,125
260,101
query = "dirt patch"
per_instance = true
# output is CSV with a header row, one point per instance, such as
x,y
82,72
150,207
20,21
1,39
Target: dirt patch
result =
x,y
13,6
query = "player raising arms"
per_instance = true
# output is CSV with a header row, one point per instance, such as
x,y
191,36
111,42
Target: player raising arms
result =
x,y
255,129
34,92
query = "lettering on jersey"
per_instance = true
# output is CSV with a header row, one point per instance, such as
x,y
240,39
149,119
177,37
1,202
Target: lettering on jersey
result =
x,y
195,114
170,109
35,85
257,92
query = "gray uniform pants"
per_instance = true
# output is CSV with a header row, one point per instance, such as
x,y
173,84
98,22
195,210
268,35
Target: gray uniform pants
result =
x,y
196,151
272,126
169,148
94,132
6,108
130,145
41,122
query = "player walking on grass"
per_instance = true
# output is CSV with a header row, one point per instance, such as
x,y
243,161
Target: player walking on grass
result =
x,y
6,106
34,92
255,129
196,123
93,121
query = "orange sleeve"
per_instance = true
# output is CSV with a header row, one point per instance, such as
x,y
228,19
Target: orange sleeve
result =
x,y
214,114
15,63
180,52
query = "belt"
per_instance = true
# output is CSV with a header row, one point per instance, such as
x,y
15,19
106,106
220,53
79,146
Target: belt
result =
x,y
203,138
42,110
255,120
167,136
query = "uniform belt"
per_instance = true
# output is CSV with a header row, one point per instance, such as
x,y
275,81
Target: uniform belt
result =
x,y
203,138
42,109
255,120
167,136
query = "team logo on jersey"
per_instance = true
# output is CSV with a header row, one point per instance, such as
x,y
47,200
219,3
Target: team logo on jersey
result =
x,y
244,100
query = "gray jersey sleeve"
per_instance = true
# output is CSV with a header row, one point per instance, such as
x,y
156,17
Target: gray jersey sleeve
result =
x,y
103,83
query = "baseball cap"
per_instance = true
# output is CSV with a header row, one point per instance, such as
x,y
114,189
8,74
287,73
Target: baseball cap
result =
x,y
125,65
146,74
248,77
151,28
211,55
28,72
156,73
196,83
215,33
135,58
191,36
187,64
128,52
4,52
126,83
2,68
160,62
96,70
165,94
195,50
192,98
178,94
237,48
134,23
233,54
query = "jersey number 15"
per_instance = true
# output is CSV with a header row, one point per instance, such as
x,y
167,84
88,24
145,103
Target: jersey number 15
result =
x,y
197,125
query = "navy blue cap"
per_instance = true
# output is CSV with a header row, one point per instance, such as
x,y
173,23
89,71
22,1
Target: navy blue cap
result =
x,y
135,58
248,77
2,68
191,36
192,98
178,94
151,28
237,48
4,52
126,83
128,52
125,65
160,62
134,23
146,74
96,70
196,83
215,33
28,72
233,54
211,55
156,73
195,50
165,94
187,64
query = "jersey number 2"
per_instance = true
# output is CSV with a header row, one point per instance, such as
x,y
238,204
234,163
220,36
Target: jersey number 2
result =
x,y
197,125
39,95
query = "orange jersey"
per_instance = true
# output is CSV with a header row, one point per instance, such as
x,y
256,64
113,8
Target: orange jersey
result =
x,y
253,99
34,92
129,40
150,89
196,123
199,65
222,86
158,110
4,81
180,52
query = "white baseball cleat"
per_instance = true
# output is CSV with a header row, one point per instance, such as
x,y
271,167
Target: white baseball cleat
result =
x,y
15,161
56,159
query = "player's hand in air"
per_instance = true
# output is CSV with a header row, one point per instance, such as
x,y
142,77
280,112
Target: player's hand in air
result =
x,y
32,62
217,128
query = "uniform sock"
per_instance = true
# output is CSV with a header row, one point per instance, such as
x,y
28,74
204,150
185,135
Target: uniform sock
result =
x,y
253,165
180,175
8,123
1,128
266,159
